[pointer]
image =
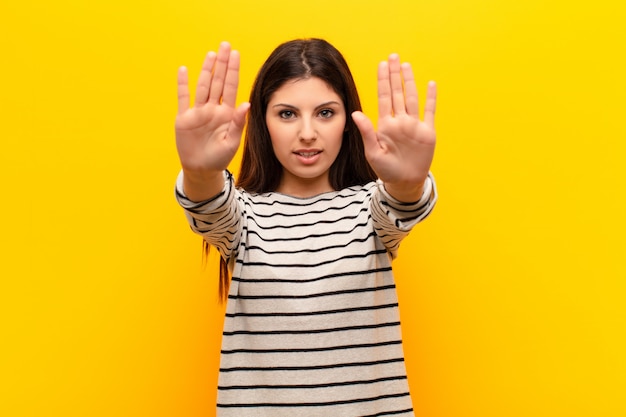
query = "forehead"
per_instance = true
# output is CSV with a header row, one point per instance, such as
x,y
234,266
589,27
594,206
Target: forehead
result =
x,y
304,90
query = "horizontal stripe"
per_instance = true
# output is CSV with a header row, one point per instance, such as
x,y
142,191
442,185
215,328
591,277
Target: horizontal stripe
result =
x,y
314,386
311,331
309,250
315,313
281,199
314,223
307,213
311,368
306,350
315,295
354,227
391,413
319,404
323,277
313,265
406,208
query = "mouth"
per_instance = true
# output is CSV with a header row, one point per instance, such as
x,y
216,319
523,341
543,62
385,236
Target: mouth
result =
x,y
307,154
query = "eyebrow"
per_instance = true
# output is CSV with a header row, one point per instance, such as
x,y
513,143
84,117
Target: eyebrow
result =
x,y
291,106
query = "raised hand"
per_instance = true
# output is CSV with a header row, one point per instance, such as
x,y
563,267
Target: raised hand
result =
x,y
208,134
402,149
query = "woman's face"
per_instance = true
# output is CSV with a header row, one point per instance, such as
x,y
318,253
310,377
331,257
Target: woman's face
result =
x,y
306,119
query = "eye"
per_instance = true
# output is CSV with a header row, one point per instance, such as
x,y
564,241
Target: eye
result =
x,y
287,114
326,113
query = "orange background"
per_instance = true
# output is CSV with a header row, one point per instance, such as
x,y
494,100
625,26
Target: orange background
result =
x,y
513,292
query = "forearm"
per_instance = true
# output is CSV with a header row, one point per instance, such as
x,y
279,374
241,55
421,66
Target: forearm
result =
x,y
218,218
393,219
202,186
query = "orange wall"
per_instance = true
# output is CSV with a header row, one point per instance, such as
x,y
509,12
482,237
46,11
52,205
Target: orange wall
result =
x,y
512,292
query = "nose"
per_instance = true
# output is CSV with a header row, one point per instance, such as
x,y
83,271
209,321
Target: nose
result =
x,y
307,131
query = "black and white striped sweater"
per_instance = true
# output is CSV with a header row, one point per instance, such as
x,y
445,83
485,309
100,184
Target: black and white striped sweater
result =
x,y
312,324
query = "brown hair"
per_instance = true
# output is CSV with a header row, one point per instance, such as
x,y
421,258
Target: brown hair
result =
x,y
299,59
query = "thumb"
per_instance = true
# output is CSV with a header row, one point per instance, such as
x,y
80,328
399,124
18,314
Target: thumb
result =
x,y
239,120
366,127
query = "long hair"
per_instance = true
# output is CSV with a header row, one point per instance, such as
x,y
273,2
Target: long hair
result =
x,y
301,59
261,171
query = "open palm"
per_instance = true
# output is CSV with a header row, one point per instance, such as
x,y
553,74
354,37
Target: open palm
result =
x,y
402,149
208,134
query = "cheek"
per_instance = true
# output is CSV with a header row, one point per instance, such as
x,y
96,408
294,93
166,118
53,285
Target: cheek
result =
x,y
337,131
280,140
278,134
272,130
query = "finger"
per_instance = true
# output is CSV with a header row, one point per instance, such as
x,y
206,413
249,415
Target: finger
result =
x,y
384,90
366,127
431,104
219,75
183,90
204,81
229,96
395,80
410,90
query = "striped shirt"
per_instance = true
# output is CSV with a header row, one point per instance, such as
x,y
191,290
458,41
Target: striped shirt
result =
x,y
312,325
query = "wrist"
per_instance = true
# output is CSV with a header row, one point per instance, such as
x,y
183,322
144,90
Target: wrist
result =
x,y
201,176
405,192
200,186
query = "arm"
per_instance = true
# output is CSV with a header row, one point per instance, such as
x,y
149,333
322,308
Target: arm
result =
x,y
393,219
218,220
208,134
402,150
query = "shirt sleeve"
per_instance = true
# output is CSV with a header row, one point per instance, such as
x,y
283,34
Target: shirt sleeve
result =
x,y
393,219
217,220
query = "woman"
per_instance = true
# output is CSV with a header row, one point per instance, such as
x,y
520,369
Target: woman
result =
x,y
309,230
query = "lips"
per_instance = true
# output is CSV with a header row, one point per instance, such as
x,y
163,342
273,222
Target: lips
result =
x,y
308,154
